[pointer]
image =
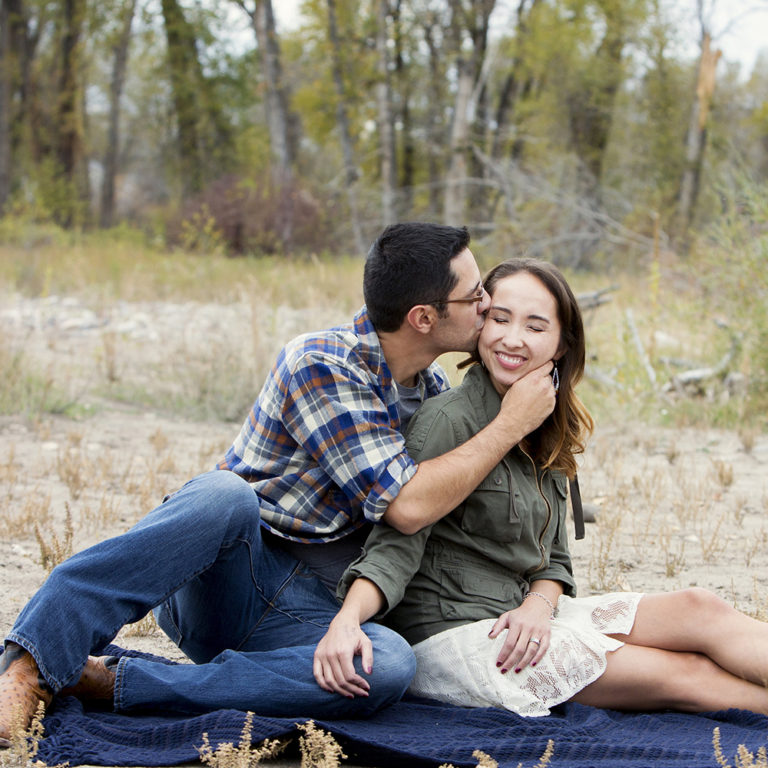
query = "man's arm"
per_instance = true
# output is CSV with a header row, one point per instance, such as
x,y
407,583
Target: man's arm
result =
x,y
442,483
333,663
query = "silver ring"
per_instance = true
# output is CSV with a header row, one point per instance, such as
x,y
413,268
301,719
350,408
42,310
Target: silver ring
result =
x,y
535,640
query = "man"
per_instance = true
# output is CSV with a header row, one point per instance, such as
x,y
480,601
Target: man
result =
x,y
240,565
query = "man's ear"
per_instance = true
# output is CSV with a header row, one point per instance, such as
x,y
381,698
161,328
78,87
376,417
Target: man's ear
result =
x,y
421,318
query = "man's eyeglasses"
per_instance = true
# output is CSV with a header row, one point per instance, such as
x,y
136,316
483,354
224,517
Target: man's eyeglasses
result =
x,y
471,300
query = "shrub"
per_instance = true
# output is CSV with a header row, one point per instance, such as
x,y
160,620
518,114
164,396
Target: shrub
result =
x,y
243,217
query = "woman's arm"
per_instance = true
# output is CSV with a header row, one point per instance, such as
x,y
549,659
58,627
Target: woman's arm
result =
x,y
444,480
528,627
333,663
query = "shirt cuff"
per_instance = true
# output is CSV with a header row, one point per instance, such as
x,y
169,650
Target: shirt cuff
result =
x,y
396,474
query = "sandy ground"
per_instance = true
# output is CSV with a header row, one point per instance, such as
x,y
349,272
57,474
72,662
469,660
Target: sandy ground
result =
x,y
676,507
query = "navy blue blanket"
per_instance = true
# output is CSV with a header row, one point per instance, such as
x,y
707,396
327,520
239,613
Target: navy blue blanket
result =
x,y
415,733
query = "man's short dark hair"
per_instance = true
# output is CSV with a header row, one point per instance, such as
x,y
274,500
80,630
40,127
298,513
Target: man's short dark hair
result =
x,y
410,264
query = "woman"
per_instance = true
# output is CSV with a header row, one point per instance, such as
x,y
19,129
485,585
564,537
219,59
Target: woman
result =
x,y
486,595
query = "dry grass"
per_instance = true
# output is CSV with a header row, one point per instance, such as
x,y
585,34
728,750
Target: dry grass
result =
x,y
486,761
318,748
55,550
25,743
743,758
227,755
667,525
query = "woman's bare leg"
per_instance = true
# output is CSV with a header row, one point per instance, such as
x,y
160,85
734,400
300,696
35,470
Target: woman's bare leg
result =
x,y
696,620
642,678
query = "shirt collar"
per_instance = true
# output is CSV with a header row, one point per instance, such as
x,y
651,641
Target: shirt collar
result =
x,y
481,392
370,346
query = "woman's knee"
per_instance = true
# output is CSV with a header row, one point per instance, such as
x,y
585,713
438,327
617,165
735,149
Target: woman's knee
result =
x,y
697,601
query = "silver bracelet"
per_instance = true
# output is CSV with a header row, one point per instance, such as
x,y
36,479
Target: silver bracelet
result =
x,y
552,609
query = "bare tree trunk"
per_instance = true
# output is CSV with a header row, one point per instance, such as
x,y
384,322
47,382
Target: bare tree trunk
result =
x,y
470,18
591,108
69,116
279,123
514,87
435,128
107,207
7,69
455,182
696,139
408,145
342,122
185,80
386,126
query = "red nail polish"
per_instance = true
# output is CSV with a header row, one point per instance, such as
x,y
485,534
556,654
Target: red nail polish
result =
x,y
504,671
517,671
498,663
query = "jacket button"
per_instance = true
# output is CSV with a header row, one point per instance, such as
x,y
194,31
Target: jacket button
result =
x,y
497,480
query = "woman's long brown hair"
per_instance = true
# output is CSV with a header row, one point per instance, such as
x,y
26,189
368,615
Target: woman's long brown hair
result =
x,y
563,434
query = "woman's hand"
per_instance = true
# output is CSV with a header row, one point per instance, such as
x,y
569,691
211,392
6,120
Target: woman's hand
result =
x,y
528,635
333,664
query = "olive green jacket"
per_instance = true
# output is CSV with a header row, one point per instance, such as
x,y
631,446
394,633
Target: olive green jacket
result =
x,y
477,562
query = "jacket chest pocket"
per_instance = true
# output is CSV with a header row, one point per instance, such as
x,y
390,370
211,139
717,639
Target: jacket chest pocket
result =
x,y
469,595
490,511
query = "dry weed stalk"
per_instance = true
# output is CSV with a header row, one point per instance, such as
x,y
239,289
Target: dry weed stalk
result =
x,y
743,758
757,546
9,472
227,755
58,550
674,562
604,571
25,743
36,511
167,465
109,356
759,602
712,543
486,761
73,470
748,435
724,473
145,627
318,748
159,440
107,513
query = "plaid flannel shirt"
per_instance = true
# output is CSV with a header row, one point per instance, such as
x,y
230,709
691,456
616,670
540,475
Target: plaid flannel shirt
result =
x,y
322,445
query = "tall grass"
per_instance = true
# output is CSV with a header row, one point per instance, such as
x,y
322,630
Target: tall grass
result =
x,y
661,317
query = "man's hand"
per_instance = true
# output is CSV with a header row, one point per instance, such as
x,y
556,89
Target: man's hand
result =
x,y
443,482
529,401
333,666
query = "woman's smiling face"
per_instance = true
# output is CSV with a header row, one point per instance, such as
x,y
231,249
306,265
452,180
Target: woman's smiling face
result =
x,y
521,331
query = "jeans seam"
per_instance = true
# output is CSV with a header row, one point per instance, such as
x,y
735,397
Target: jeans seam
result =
x,y
271,604
119,681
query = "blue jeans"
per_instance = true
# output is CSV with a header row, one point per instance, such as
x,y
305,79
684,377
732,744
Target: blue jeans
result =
x,y
246,613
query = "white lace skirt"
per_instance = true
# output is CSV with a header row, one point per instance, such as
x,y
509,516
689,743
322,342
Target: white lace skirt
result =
x,y
459,665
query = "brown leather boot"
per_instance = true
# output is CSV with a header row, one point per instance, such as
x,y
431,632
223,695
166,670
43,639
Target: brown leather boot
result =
x,y
22,688
97,680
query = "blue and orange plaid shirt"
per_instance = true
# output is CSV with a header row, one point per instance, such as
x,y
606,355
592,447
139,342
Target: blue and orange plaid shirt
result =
x,y
322,445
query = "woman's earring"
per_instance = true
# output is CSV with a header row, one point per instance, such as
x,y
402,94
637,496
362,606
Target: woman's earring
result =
x,y
555,378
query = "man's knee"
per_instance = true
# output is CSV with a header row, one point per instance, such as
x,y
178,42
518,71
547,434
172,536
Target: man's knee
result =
x,y
215,494
394,666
